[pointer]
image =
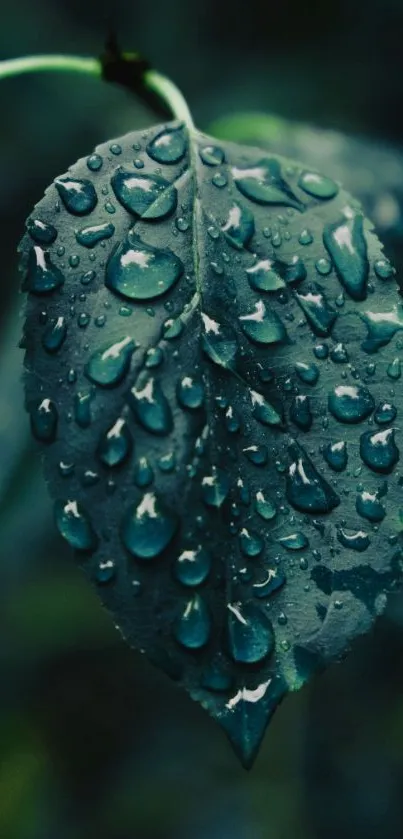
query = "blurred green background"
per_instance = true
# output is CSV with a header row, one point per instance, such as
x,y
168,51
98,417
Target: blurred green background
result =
x,y
93,741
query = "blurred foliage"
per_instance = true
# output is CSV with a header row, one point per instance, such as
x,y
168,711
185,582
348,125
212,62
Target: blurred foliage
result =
x,y
93,741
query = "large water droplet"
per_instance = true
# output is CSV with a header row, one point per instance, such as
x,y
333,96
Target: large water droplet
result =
x,y
90,236
350,404
192,567
263,326
54,335
369,506
250,633
138,271
149,197
319,314
169,146
192,630
319,186
42,276
109,365
354,540
78,196
239,227
264,184
44,419
306,490
41,232
75,526
148,528
379,451
346,244
116,445
336,455
151,407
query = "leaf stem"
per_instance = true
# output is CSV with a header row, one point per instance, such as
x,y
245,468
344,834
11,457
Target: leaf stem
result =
x,y
40,63
171,94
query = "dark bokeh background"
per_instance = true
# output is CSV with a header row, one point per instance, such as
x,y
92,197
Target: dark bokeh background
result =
x,y
93,741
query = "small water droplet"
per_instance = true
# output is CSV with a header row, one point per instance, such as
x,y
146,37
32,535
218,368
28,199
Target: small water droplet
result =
x,y
169,146
82,408
73,523
319,186
264,184
263,326
109,365
264,507
143,473
151,407
383,269
308,373
219,342
346,244
44,420
378,450
42,276
273,581
215,488
94,162
148,528
354,540
385,413
116,445
336,455
251,544
294,541
149,197
318,312
41,232
306,490
350,404
90,236
300,412
212,155
190,393
369,506
239,227
192,567
78,196
54,335
193,628
394,369
250,633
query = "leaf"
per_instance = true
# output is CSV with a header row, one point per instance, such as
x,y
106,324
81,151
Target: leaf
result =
x,y
212,364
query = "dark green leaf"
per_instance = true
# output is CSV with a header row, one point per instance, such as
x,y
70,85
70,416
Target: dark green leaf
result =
x,y
215,385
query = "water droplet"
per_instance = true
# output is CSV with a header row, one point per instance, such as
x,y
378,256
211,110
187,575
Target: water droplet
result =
x,y
182,224
239,227
75,526
149,197
192,630
294,542
321,351
41,232
263,276
394,369
94,162
148,528
251,544
90,236
263,326
355,541
172,328
318,312
383,269
44,419
381,326
109,365
264,184
336,455
323,267
54,335
219,180
339,354
151,407
215,488
116,445
306,490
250,633
154,357
346,244
385,413
369,506
258,455
105,571
219,342
192,567
305,237
169,146
78,196
308,373
143,473
300,412
138,271
273,581
212,155
82,408
190,393
319,186
264,507
42,276
379,451
350,404
263,411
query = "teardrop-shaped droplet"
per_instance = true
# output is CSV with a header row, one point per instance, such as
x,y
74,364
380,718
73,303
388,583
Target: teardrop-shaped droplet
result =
x,y
143,473
90,236
264,184
44,419
78,196
385,413
318,312
369,506
346,244
148,528
319,186
212,155
273,581
294,541
306,490
258,455
109,365
354,540
350,404
193,628
336,455
215,488
263,326
116,445
250,633
219,342
250,542
263,276
379,451
192,567
138,271
42,276
190,393
240,226
300,412
169,146
308,373
394,369
263,411
381,327
264,507
339,354
54,335
73,523
41,232
82,408
149,197
151,407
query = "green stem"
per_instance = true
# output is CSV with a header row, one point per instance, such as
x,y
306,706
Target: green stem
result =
x,y
151,80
